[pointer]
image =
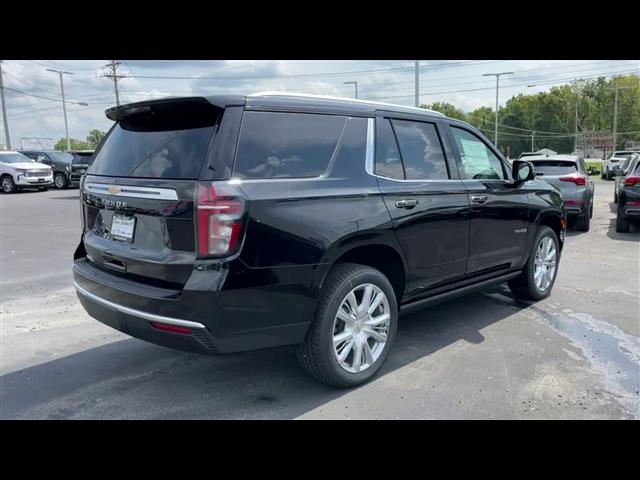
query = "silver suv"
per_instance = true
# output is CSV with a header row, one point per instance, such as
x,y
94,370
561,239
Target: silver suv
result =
x,y
616,160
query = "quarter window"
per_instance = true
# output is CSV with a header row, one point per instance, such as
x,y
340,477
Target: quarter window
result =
x,y
276,144
421,150
478,161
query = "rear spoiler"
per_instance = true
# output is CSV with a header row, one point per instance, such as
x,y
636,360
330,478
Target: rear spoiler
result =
x,y
166,106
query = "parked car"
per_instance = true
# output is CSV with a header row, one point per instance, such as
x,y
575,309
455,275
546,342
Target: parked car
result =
x,y
18,172
616,159
570,174
60,163
621,172
309,221
82,159
629,197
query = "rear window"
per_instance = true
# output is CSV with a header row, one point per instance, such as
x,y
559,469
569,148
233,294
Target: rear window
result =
x,y
171,148
275,145
550,167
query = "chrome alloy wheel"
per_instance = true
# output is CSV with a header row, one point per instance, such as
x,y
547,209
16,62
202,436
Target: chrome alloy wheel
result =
x,y
545,264
361,327
59,181
7,184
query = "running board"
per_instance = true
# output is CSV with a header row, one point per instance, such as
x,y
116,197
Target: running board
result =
x,y
443,297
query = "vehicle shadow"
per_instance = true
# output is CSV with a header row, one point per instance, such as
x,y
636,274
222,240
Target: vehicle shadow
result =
x,y
134,379
633,235
73,197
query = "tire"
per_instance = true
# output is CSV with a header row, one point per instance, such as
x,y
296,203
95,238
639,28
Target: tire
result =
x,y
615,195
524,286
608,174
591,210
622,224
60,181
317,354
7,184
583,223
602,175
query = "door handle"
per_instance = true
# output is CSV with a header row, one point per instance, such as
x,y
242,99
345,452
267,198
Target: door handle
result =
x,y
410,203
478,198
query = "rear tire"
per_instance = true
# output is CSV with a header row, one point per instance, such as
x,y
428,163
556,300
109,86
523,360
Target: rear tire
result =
x,y
7,184
526,286
615,196
622,224
584,222
60,181
608,174
318,355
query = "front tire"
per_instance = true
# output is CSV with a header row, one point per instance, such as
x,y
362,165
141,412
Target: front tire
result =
x,y
622,224
7,184
539,274
353,329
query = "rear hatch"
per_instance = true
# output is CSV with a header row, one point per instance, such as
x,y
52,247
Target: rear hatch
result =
x,y
138,195
562,174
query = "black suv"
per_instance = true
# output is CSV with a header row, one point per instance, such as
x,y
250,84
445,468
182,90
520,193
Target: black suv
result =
x,y
82,159
60,163
231,223
627,194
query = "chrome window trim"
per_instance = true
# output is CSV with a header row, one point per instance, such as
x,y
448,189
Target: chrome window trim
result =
x,y
132,191
138,313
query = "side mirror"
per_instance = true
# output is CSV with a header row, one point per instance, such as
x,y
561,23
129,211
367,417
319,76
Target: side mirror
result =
x,y
523,171
617,171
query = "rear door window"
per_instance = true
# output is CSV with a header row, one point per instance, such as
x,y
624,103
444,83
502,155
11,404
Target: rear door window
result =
x,y
286,145
388,163
421,150
554,168
171,148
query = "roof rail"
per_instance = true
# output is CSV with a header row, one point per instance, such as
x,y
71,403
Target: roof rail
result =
x,y
327,97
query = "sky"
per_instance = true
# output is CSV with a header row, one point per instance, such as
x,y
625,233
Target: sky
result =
x,y
34,105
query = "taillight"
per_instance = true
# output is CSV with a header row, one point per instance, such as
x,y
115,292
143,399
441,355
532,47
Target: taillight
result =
x,y
220,210
574,179
81,189
631,181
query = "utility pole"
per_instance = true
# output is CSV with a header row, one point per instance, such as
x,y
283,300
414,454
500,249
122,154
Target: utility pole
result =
x,y
615,114
533,134
114,69
417,87
497,75
4,109
355,84
64,104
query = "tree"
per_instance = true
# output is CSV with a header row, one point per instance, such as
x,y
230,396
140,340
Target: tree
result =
x,y
75,144
95,137
448,109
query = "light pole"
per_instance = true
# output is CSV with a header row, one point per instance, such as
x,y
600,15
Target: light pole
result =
x,y
417,84
64,105
497,75
355,84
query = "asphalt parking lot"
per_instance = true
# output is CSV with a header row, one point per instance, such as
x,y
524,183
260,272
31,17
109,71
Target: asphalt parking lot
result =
x,y
574,355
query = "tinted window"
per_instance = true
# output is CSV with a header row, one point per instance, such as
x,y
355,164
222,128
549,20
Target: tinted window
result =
x,y
276,145
420,149
554,167
154,148
388,163
478,161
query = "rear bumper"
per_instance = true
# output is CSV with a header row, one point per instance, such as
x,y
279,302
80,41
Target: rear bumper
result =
x,y
211,320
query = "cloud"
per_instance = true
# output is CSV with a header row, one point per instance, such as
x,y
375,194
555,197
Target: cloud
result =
x,y
391,81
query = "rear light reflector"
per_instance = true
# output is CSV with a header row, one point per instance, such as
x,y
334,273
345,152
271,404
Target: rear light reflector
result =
x,y
219,219
574,179
165,327
572,202
631,181
633,203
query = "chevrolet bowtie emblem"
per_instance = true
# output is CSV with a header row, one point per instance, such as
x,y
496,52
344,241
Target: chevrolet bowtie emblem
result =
x,y
114,190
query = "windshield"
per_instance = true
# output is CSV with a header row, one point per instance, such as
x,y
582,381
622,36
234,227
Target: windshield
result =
x,y
554,167
60,157
623,154
15,158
